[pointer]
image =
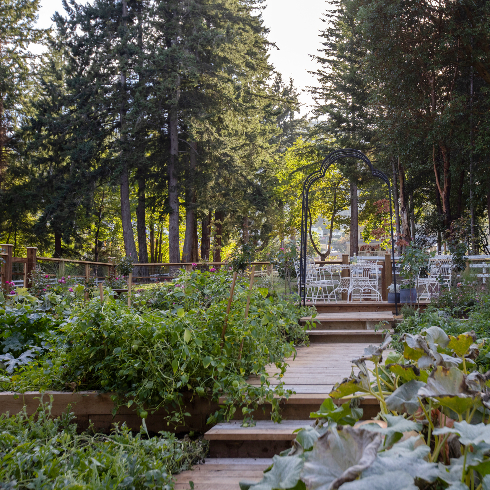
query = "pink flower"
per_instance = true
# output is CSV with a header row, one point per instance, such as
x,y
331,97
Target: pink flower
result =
x,y
44,290
281,249
212,269
69,277
46,276
71,290
194,265
12,292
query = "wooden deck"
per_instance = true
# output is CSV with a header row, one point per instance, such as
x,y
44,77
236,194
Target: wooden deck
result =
x,y
222,474
317,367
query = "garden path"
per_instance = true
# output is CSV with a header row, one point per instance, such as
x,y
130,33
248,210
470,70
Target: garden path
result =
x,y
242,453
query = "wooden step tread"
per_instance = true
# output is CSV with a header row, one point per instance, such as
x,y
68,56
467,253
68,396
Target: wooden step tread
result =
x,y
371,316
265,430
333,333
222,473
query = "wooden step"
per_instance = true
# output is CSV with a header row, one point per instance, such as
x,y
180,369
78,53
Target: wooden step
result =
x,y
351,320
222,474
360,306
346,336
300,405
230,440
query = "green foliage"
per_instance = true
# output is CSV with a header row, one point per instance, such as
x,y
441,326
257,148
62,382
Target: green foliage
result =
x,y
124,266
409,447
170,344
284,260
42,452
412,262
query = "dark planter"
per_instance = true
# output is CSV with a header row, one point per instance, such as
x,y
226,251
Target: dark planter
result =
x,y
408,295
391,297
120,291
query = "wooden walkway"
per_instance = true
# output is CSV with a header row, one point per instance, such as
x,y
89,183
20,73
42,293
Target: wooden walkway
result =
x,y
242,453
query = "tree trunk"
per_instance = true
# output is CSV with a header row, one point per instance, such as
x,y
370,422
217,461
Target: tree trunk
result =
x,y
3,139
412,216
488,204
190,212
152,242
173,191
444,189
205,237
405,221
141,221
396,205
97,230
127,226
354,220
334,213
57,245
128,235
218,238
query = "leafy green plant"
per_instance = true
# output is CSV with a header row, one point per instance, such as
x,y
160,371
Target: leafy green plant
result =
x,y
39,451
412,262
124,266
169,344
432,431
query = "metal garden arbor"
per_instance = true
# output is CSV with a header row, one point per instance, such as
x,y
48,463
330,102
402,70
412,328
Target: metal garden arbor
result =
x,y
310,180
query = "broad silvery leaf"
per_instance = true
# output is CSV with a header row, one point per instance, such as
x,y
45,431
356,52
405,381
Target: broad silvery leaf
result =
x,y
468,434
396,480
404,398
406,458
397,425
449,388
374,353
339,456
307,437
435,335
285,473
415,346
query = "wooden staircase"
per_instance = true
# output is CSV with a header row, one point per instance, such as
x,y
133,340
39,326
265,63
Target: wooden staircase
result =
x,y
339,337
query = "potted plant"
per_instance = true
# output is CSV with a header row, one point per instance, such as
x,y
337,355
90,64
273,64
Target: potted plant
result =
x,y
412,262
392,295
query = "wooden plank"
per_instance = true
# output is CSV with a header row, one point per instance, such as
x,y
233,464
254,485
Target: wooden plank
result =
x,y
222,476
264,430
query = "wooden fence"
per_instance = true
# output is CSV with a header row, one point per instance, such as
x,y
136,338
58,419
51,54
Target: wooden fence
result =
x,y
19,269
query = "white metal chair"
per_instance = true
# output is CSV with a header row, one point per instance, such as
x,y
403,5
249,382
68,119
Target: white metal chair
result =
x,y
364,281
439,274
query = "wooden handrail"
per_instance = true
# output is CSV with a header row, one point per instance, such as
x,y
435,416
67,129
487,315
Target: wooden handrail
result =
x,y
53,259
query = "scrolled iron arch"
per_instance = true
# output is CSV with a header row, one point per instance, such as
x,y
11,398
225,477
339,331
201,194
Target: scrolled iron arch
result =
x,y
310,180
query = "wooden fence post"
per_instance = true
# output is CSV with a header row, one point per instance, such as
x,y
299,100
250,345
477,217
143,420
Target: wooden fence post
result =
x,y
345,273
61,267
30,265
387,278
130,283
7,266
228,309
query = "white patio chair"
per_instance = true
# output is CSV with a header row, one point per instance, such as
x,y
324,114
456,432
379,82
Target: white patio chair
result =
x,y
364,282
439,274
